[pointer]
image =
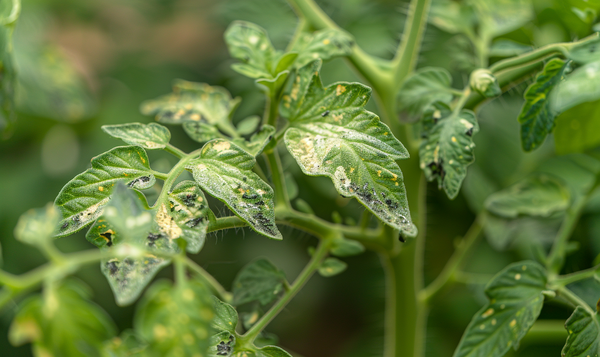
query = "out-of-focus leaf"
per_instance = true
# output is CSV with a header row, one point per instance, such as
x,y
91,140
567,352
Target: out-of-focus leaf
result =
x,y
331,267
485,83
537,115
148,136
583,85
502,233
204,111
343,247
38,226
516,299
584,334
248,125
62,322
447,146
577,171
578,128
224,170
175,320
272,351
291,186
226,318
250,43
258,281
538,195
586,52
258,141
325,44
508,48
126,345
127,226
331,134
81,199
423,88
9,12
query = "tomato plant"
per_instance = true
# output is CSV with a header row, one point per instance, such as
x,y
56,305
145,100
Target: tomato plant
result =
x,y
537,206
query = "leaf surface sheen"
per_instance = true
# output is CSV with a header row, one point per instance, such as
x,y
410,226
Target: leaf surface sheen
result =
x,y
516,300
581,86
425,87
537,115
148,136
447,146
583,338
81,200
331,134
224,170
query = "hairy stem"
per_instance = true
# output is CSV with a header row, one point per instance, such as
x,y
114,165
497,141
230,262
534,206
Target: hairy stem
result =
x,y
301,280
175,151
580,275
281,196
574,300
217,288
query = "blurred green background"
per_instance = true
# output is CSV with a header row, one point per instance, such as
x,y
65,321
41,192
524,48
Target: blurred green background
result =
x,y
83,64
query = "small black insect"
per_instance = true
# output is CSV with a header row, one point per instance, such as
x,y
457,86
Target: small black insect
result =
x,y
401,238
470,132
223,349
325,113
64,226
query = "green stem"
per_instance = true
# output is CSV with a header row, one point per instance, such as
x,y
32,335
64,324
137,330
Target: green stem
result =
x,y
180,263
174,174
573,299
462,100
175,151
455,262
556,257
580,275
281,196
225,223
11,19
407,54
301,280
217,288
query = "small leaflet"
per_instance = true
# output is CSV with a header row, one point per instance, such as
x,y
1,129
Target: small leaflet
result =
x,y
81,200
258,281
423,88
447,146
149,136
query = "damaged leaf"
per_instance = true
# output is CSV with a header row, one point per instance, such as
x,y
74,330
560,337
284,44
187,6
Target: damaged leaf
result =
x,y
224,170
447,146
148,136
81,199
258,281
331,134
325,44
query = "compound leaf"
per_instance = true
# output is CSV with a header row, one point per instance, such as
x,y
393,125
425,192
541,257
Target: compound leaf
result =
x,y
37,226
331,267
81,199
583,85
537,116
325,44
423,88
258,281
447,146
175,320
331,134
126,224
203,110
516,299
226,318
148,136
62,322
224,170
583,338
537,195
9,12
250,43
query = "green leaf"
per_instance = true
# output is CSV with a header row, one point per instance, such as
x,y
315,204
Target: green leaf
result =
x,y
325,44
38,226
148,136
249,125
537,195
126,345
62,322
485,83
586,52
258,281
226,318
583,85
331,134
272,351
221,344
175,320
343,247
127,227
578,128
331,267
447,146
204,111
516,299
584,334
250,43
258,141
224,170
9,12
423,88
81,199
537,115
